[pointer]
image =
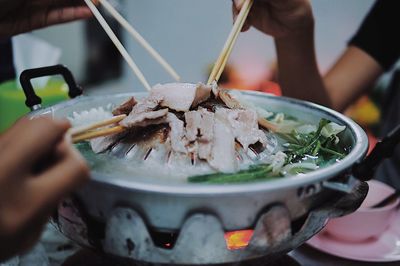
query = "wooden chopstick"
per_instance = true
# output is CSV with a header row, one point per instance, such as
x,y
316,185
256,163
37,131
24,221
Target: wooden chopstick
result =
x,y
264,123
83,129
118,44
227,50
78,134
230,42
136,35
242,20
88,135
98,133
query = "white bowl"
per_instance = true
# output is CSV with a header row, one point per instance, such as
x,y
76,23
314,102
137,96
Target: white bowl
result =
x,y
366,223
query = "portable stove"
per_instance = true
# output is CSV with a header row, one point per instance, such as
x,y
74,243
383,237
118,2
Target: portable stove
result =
x,y
202,239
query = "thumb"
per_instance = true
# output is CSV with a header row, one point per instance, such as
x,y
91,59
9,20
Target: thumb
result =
x,y
238,4
43,18
235,12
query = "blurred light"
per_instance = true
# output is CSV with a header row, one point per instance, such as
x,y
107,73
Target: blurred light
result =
x,y
238,239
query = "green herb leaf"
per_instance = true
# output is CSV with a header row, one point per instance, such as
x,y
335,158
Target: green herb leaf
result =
x,y
254,173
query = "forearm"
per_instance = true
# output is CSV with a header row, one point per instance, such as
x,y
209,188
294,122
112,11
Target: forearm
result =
x,y
353,73
351,76
291,23
299,76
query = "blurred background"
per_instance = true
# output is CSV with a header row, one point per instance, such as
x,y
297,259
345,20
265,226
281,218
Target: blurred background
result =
x,y
189,34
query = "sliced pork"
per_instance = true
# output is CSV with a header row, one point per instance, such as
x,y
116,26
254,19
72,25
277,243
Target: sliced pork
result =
x,y
200,131
125,108
203,92
145,113
195,126
102,144
147,104
223,155
231,102
244,125
215,89
177,133
177,127
181,96
145,119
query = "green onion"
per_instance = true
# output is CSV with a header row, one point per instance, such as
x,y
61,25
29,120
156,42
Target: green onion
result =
x,y
254,173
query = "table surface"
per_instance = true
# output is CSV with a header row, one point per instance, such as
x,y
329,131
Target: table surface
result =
x,y
308,256
303,256
56,250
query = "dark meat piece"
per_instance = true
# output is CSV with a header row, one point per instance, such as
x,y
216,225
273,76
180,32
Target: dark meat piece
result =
x,y
125,108
144,119
181,96
102,144
244,125
200,129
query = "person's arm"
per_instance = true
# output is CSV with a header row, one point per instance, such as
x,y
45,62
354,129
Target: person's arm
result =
x,y
353,73
298,71
300,78
291,23
19,16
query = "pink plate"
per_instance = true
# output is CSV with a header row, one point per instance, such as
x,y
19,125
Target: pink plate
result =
x,y
386,248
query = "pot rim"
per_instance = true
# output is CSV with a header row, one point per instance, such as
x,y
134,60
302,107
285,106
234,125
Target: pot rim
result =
x,y
357,153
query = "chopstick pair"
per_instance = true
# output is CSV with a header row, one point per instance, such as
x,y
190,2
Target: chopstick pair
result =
x,y
90,132
124,23
96,130
103,129
230,42
227,50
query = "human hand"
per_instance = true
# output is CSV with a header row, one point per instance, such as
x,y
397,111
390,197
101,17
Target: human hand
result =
x,y
19,16
278,18
38,168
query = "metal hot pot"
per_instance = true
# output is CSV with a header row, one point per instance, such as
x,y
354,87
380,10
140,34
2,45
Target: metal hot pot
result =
x,y
168,223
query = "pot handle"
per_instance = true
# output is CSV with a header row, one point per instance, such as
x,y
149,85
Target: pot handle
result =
x,y
33,101
365,170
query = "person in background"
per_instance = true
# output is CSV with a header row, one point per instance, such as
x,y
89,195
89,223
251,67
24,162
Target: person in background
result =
x,y
373,50
38,165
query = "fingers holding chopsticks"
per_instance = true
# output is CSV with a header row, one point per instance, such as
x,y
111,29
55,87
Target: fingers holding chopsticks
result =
x,y
30,140
59,15
62,11
38,168
67,173
278,18
230,42
236,7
